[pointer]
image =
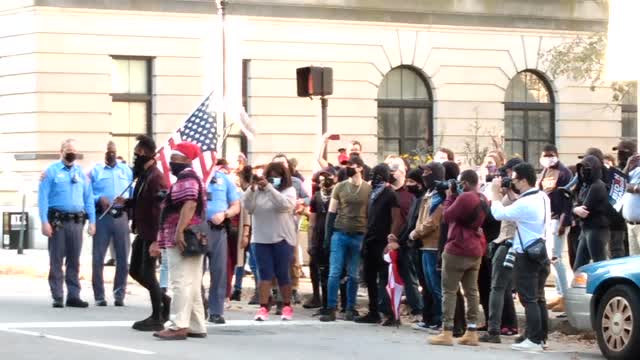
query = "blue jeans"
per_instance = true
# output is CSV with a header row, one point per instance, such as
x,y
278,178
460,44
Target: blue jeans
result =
x,y
434,283
251,259
345,252
559,242
164,270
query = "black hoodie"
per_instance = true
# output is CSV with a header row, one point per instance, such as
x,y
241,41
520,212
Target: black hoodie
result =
x,y
593,193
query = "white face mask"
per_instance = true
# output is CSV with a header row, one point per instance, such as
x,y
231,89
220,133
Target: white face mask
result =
x,y
548,162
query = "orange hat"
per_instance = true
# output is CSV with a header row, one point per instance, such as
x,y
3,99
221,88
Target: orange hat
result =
x,y
187,149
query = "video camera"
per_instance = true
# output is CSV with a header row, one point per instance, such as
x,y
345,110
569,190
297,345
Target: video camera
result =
x,y
442,186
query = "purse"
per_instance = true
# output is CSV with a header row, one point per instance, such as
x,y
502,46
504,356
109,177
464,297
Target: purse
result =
x,y
196,242
537,250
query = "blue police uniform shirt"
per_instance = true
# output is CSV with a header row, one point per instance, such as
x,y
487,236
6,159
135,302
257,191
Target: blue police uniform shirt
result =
x,y
110,181
222,192
66,190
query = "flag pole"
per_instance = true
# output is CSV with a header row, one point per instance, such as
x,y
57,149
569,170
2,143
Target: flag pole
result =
x,y
222,4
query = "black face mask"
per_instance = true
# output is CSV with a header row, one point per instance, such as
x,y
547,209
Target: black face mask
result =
x,y
414,189
585,174
177,168
70,157
110,158
328,183
139,161
623,158
351,172
429,180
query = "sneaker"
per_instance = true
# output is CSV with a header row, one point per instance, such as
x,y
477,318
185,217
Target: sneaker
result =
x,y
370,318
287,313
58,303
236,296
77,303
351,315
262,315
420,327
527,345
118,303
101,303
217,319
435,329
490,338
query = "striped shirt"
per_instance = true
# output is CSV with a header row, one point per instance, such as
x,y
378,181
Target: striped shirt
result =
x,y
185,189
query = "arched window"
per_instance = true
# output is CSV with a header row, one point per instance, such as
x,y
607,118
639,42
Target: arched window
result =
x,y
405,117
630,114
529,120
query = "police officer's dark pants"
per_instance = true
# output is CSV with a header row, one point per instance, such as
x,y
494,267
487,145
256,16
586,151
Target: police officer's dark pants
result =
x,y
408,271
143,270
109,228
376,275
65,245
530,278
217,257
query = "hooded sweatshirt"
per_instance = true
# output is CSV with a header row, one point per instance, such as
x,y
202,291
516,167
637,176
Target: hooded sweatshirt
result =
x,y
593,193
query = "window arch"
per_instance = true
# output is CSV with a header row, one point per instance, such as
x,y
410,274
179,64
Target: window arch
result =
x,y
405,116
529,121
629,106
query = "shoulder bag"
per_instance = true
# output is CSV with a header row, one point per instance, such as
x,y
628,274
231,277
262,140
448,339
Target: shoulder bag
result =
x,y
537,250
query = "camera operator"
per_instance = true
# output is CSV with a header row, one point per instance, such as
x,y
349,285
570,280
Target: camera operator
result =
x,y
502,312
531,215
465,210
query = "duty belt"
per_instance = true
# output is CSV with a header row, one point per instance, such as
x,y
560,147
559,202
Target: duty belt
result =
x,y
58,218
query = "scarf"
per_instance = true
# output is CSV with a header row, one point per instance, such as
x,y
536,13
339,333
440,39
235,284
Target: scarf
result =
x,y
377,190
436,200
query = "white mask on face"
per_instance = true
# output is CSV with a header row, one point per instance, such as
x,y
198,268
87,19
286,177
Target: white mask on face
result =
x,y
548,162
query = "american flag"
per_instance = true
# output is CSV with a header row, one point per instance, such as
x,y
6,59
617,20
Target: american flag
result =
x,y
200,128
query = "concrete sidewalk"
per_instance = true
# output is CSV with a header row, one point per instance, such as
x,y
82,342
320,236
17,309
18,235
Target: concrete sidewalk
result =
x,y
35,264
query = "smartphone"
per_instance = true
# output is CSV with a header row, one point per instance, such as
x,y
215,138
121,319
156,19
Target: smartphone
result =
x,y
334,137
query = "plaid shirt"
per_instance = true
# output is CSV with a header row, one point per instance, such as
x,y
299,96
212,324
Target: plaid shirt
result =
x,y
182,191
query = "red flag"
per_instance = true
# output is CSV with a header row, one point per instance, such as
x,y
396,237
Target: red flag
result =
x,y
395,285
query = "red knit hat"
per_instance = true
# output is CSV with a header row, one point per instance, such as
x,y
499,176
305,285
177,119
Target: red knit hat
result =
x,y
187,149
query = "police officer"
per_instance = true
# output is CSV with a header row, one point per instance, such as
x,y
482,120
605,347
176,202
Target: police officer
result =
x,y
65,202
223,203
109,180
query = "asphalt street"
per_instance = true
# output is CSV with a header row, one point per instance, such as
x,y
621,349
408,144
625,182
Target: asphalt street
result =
x,y
31,329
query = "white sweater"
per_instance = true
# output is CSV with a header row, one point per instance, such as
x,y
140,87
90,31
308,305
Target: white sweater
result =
x,y
272,217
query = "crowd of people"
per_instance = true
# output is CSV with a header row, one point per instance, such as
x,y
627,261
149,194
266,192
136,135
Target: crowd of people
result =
x,y
465,238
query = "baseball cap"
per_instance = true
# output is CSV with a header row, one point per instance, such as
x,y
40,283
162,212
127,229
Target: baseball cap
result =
x,y
329,170
510,164
626,146
343,159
